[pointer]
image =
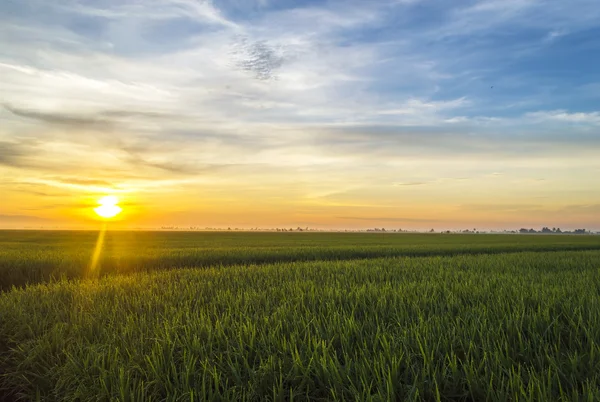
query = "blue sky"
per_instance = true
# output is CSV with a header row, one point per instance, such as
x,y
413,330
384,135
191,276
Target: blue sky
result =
x,y
308,107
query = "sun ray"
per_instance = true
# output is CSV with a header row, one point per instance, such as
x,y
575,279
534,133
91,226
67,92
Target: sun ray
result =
x,y
97,251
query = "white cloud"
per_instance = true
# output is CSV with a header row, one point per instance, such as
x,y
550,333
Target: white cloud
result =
x,y
235,91
200,10
457,119
556,16
554,34
565,116
419,107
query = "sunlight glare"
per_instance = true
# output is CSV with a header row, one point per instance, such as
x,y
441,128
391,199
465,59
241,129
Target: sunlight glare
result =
x,y
108,207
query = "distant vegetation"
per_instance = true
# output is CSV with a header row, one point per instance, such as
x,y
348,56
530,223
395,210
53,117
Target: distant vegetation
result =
x,y
544,230
547,230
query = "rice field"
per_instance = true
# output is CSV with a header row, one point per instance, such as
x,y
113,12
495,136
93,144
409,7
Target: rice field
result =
x,y
299,316
28,257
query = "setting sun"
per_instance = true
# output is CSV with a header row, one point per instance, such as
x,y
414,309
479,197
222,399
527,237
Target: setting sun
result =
x,y
108,207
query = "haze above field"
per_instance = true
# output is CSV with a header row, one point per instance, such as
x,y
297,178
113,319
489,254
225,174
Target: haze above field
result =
x,y
338,114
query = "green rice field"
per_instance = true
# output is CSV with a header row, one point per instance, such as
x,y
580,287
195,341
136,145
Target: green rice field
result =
x,y
176,316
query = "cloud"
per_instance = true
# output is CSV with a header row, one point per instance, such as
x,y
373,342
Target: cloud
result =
x,y
501,207
100,119
424,183
554,34
119,186
141,156
411,183
566,117
387,219
457,119
11,154
202,10
586,209
258,58
60,118
12,219
488,15
291,75
418,107
471,141
83,181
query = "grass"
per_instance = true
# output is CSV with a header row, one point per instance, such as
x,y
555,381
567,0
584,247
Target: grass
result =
x,y
502,327
28,257
469,326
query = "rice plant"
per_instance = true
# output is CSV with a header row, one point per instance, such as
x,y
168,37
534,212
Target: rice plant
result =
x,y
499,327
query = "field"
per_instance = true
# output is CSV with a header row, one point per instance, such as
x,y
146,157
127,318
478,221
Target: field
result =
x,y
37,256
299,316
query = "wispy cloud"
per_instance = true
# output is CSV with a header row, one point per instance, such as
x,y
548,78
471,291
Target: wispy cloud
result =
x,y
501,207
59,118
419,107
11,154
555,34
411,183
388,219
565,116
9,219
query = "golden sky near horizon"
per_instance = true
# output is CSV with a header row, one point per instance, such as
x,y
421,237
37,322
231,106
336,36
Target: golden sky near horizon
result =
x,y
326,114
325,197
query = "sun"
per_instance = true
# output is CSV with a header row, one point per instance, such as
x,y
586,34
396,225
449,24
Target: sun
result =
x,y
108,207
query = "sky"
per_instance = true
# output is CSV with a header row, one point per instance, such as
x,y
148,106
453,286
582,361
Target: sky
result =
x,y
403,114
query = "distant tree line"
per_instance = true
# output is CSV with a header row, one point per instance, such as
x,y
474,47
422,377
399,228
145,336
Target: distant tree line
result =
x,y
544,230
553,230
